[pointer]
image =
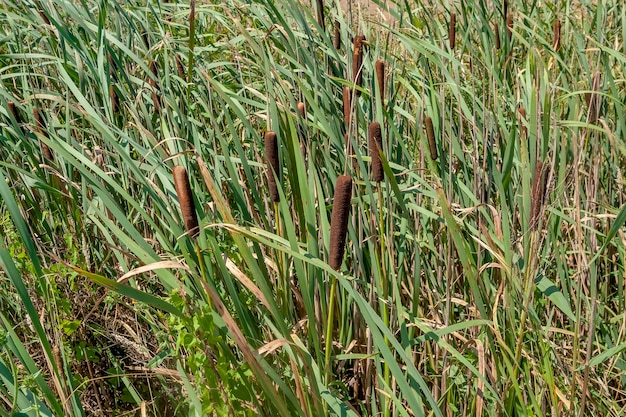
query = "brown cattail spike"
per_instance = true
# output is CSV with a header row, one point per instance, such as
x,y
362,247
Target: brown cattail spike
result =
x,y
273,167
538,193
337,37
320,14
179,66
452,30
509,25
302,109
556,38
375,148
380,77
45,150
496,31
347,98
505,9
357,62
339,221
114,99
593,99
14,112
185,198
430,135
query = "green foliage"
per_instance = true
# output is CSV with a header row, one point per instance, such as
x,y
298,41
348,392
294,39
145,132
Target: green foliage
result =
x,y
469,286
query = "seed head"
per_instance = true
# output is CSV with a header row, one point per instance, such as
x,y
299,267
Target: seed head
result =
x,y
452,30
375,148
273,167
430,135
347,97
337,37
339,221
45,150
556,37
185,198
357,62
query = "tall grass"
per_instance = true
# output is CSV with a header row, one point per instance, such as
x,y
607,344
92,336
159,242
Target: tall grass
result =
x,y
147,266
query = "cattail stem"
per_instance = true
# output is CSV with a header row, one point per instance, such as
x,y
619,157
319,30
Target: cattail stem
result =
x,y
375,148
185,198
430,135
273,166
380,78
452,31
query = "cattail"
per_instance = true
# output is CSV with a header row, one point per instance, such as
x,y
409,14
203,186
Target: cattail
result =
x,y
556,38
185,198
375,148
347,98
380,77
430,134
14,112
146,40
302,109
538,193
496,31
452,30
43,16
339,221
593,99
114,99
179,66
271,154
320,14
509,25
337,37
357,62
522,120
45,150
505,9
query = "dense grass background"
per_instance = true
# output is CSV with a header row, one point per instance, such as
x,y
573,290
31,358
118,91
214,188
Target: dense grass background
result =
x,y
488,281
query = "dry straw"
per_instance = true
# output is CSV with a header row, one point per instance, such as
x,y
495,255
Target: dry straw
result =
x,y
45,150
185,198
430,135
339,221
375,148
380,77
357,62
347,97
538,194
271,154
452,30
